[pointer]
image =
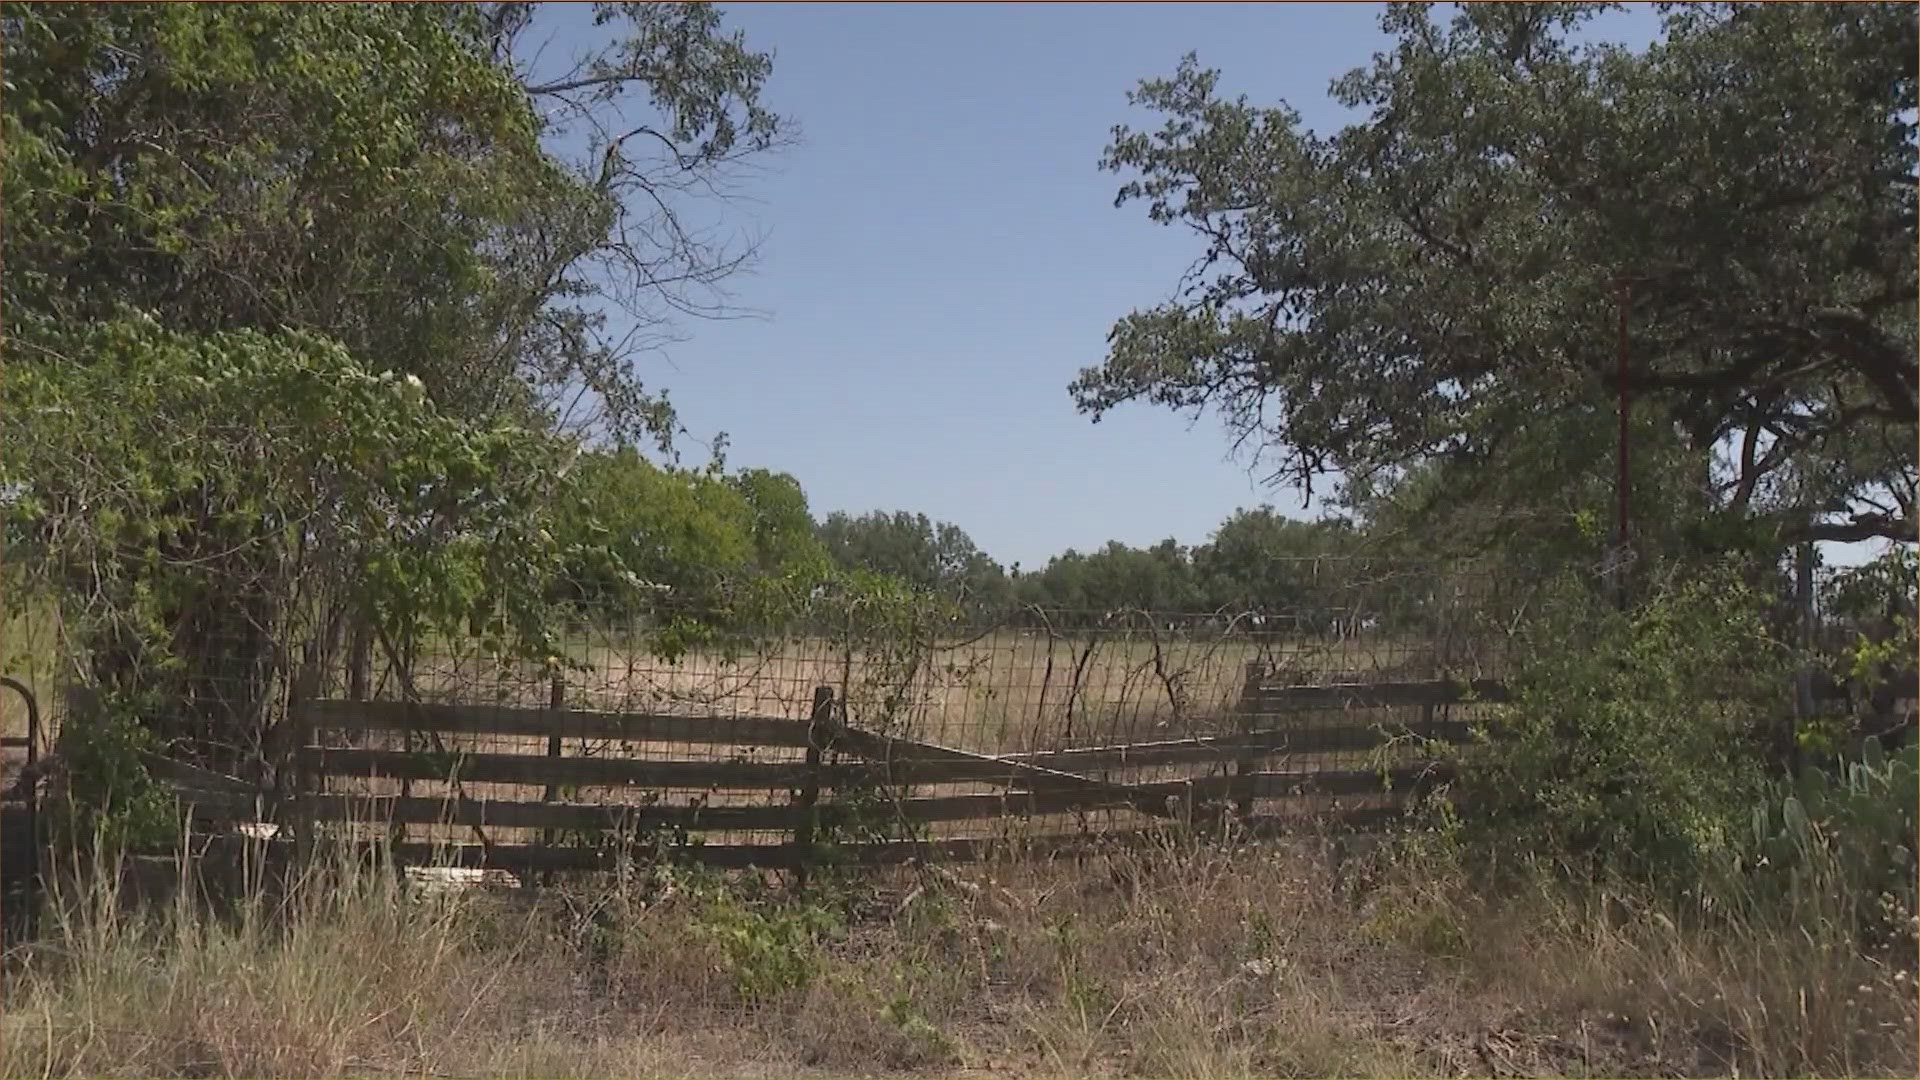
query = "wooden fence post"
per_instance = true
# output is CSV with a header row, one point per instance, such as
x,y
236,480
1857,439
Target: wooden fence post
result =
x,y
359,659
305,782
1249,719
556,700
819,737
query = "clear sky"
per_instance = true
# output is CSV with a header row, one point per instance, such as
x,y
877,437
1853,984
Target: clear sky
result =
x,y
941,256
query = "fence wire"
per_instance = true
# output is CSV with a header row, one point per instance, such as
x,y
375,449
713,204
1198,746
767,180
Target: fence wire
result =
x,y
1117,696
695,725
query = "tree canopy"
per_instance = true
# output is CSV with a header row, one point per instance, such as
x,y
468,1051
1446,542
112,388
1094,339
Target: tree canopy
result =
x,y
385,175
689,540
307,313
934,556
1438,286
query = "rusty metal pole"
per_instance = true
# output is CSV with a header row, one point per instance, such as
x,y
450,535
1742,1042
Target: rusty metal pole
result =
x,y
1622,477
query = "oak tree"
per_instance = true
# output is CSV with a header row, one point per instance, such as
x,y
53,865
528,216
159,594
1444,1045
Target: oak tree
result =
x,y
1437,286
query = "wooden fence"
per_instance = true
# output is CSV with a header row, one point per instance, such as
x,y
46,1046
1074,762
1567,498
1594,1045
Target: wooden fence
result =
x,y
497,788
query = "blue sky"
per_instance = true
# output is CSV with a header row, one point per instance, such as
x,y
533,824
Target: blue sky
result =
x,y
941,256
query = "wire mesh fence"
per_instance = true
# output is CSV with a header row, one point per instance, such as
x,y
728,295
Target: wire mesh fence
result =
x,y
991,681
1174,708
751,731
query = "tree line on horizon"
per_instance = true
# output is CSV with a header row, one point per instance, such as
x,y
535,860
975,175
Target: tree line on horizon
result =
x,y
690,532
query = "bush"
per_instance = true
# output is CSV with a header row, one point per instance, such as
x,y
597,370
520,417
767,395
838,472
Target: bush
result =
x,y
1635,744
770,947
1869,635
104,794
1844,837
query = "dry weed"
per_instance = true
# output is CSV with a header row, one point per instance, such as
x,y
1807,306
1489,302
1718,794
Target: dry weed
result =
x,y
1183,959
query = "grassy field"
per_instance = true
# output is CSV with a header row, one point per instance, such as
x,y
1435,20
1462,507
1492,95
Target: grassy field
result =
x,y
1174,961
1007,691
999,693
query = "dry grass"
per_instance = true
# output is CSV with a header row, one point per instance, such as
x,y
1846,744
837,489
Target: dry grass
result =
x,y
1006,691
1003,692
1182,960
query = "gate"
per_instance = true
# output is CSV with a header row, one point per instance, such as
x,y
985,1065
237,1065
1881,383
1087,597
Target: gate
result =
x,y
20,840
557,789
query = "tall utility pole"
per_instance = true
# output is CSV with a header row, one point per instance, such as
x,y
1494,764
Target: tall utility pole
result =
x,y
1620,481
1803,705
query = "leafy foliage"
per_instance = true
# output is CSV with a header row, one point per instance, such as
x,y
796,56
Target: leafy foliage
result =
x,y
106,802
1159,578
1257,560
1261,559
1847,831
1864,640
1874,606
688,541
770,947
1438,284
203,504
934,556
378,174
1637,741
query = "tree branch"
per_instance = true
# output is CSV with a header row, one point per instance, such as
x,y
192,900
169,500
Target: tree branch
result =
x,y
1859,527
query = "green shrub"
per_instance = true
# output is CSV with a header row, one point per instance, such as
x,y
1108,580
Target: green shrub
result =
x,y
1845,833
1869,632
771,947
105,795
1634,744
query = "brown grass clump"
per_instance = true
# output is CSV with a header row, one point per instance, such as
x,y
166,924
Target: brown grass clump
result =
x,y
1180,959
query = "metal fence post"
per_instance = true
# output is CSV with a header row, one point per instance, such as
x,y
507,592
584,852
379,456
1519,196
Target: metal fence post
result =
x,y
28,832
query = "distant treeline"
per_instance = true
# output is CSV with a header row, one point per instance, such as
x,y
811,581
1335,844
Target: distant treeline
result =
x,y
695,536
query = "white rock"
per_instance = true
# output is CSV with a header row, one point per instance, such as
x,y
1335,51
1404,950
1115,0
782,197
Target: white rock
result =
x,y
435,880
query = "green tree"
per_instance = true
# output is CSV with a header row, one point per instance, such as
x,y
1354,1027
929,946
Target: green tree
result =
x,y
785,536
1117,577
1435,287
934,556
1264,560
1639,741
380,174
697,543
679,536
299,298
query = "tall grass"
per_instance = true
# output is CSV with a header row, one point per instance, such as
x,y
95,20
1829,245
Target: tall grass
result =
x,y
1736,980
331,977
1002,691
1179,958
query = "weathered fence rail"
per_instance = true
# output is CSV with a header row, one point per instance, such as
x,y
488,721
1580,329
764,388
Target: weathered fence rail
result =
x,y
649,785
785,787
351,717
